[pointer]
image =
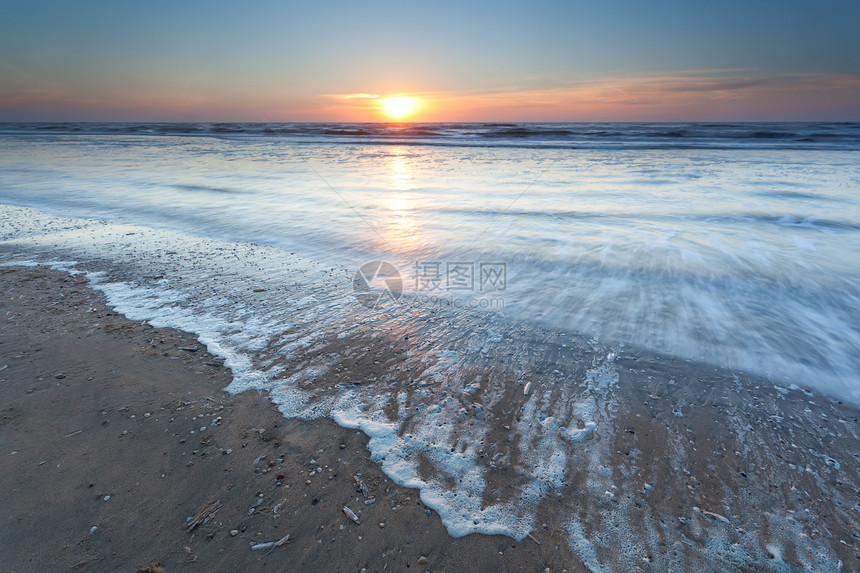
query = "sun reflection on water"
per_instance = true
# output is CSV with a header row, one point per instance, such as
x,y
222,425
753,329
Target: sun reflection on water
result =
x,y
401,227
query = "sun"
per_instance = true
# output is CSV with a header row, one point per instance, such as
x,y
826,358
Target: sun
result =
x,y
399,107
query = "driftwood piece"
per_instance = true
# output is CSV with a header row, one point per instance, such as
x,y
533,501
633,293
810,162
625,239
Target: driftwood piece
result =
x,y
205,515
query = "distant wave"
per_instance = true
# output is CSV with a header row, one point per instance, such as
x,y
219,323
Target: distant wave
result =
x,y
797,136
521,132
746,218
207,189
793,195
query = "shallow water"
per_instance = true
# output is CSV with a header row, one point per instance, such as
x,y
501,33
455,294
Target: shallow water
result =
x,y
735,244
529,259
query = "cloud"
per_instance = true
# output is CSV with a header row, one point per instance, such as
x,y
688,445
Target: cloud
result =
x,y
707,95
699,94
348,97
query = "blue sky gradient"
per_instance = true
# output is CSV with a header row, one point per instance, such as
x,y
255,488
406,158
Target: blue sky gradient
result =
x,y
544,60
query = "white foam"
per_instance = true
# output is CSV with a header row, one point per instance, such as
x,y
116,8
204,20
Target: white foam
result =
x,y
563,422
547,429
461,509
584,548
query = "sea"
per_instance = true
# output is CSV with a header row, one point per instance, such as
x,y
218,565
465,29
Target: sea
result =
x,y
417,282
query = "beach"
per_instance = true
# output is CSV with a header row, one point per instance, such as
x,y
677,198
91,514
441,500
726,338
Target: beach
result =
x,y
439,287
115,425
582,347
102,424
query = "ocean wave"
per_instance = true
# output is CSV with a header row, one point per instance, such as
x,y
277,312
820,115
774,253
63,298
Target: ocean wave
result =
x,y
793,195
207,189
568,135
787,220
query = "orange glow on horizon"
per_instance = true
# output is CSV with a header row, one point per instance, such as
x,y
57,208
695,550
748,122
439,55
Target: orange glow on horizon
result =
x,y
697,95
700,95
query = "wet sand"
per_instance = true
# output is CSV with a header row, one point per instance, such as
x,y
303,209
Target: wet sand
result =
x,y
94,405
687,465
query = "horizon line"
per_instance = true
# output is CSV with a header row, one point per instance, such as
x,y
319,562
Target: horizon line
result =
x,y
404,123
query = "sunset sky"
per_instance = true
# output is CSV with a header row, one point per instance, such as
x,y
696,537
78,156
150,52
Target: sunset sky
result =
x,y
615,60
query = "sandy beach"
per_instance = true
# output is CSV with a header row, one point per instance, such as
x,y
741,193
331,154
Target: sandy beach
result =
x,y
118,437
118,426
550,287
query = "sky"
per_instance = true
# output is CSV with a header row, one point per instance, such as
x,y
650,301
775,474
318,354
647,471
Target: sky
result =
x,y
541,60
